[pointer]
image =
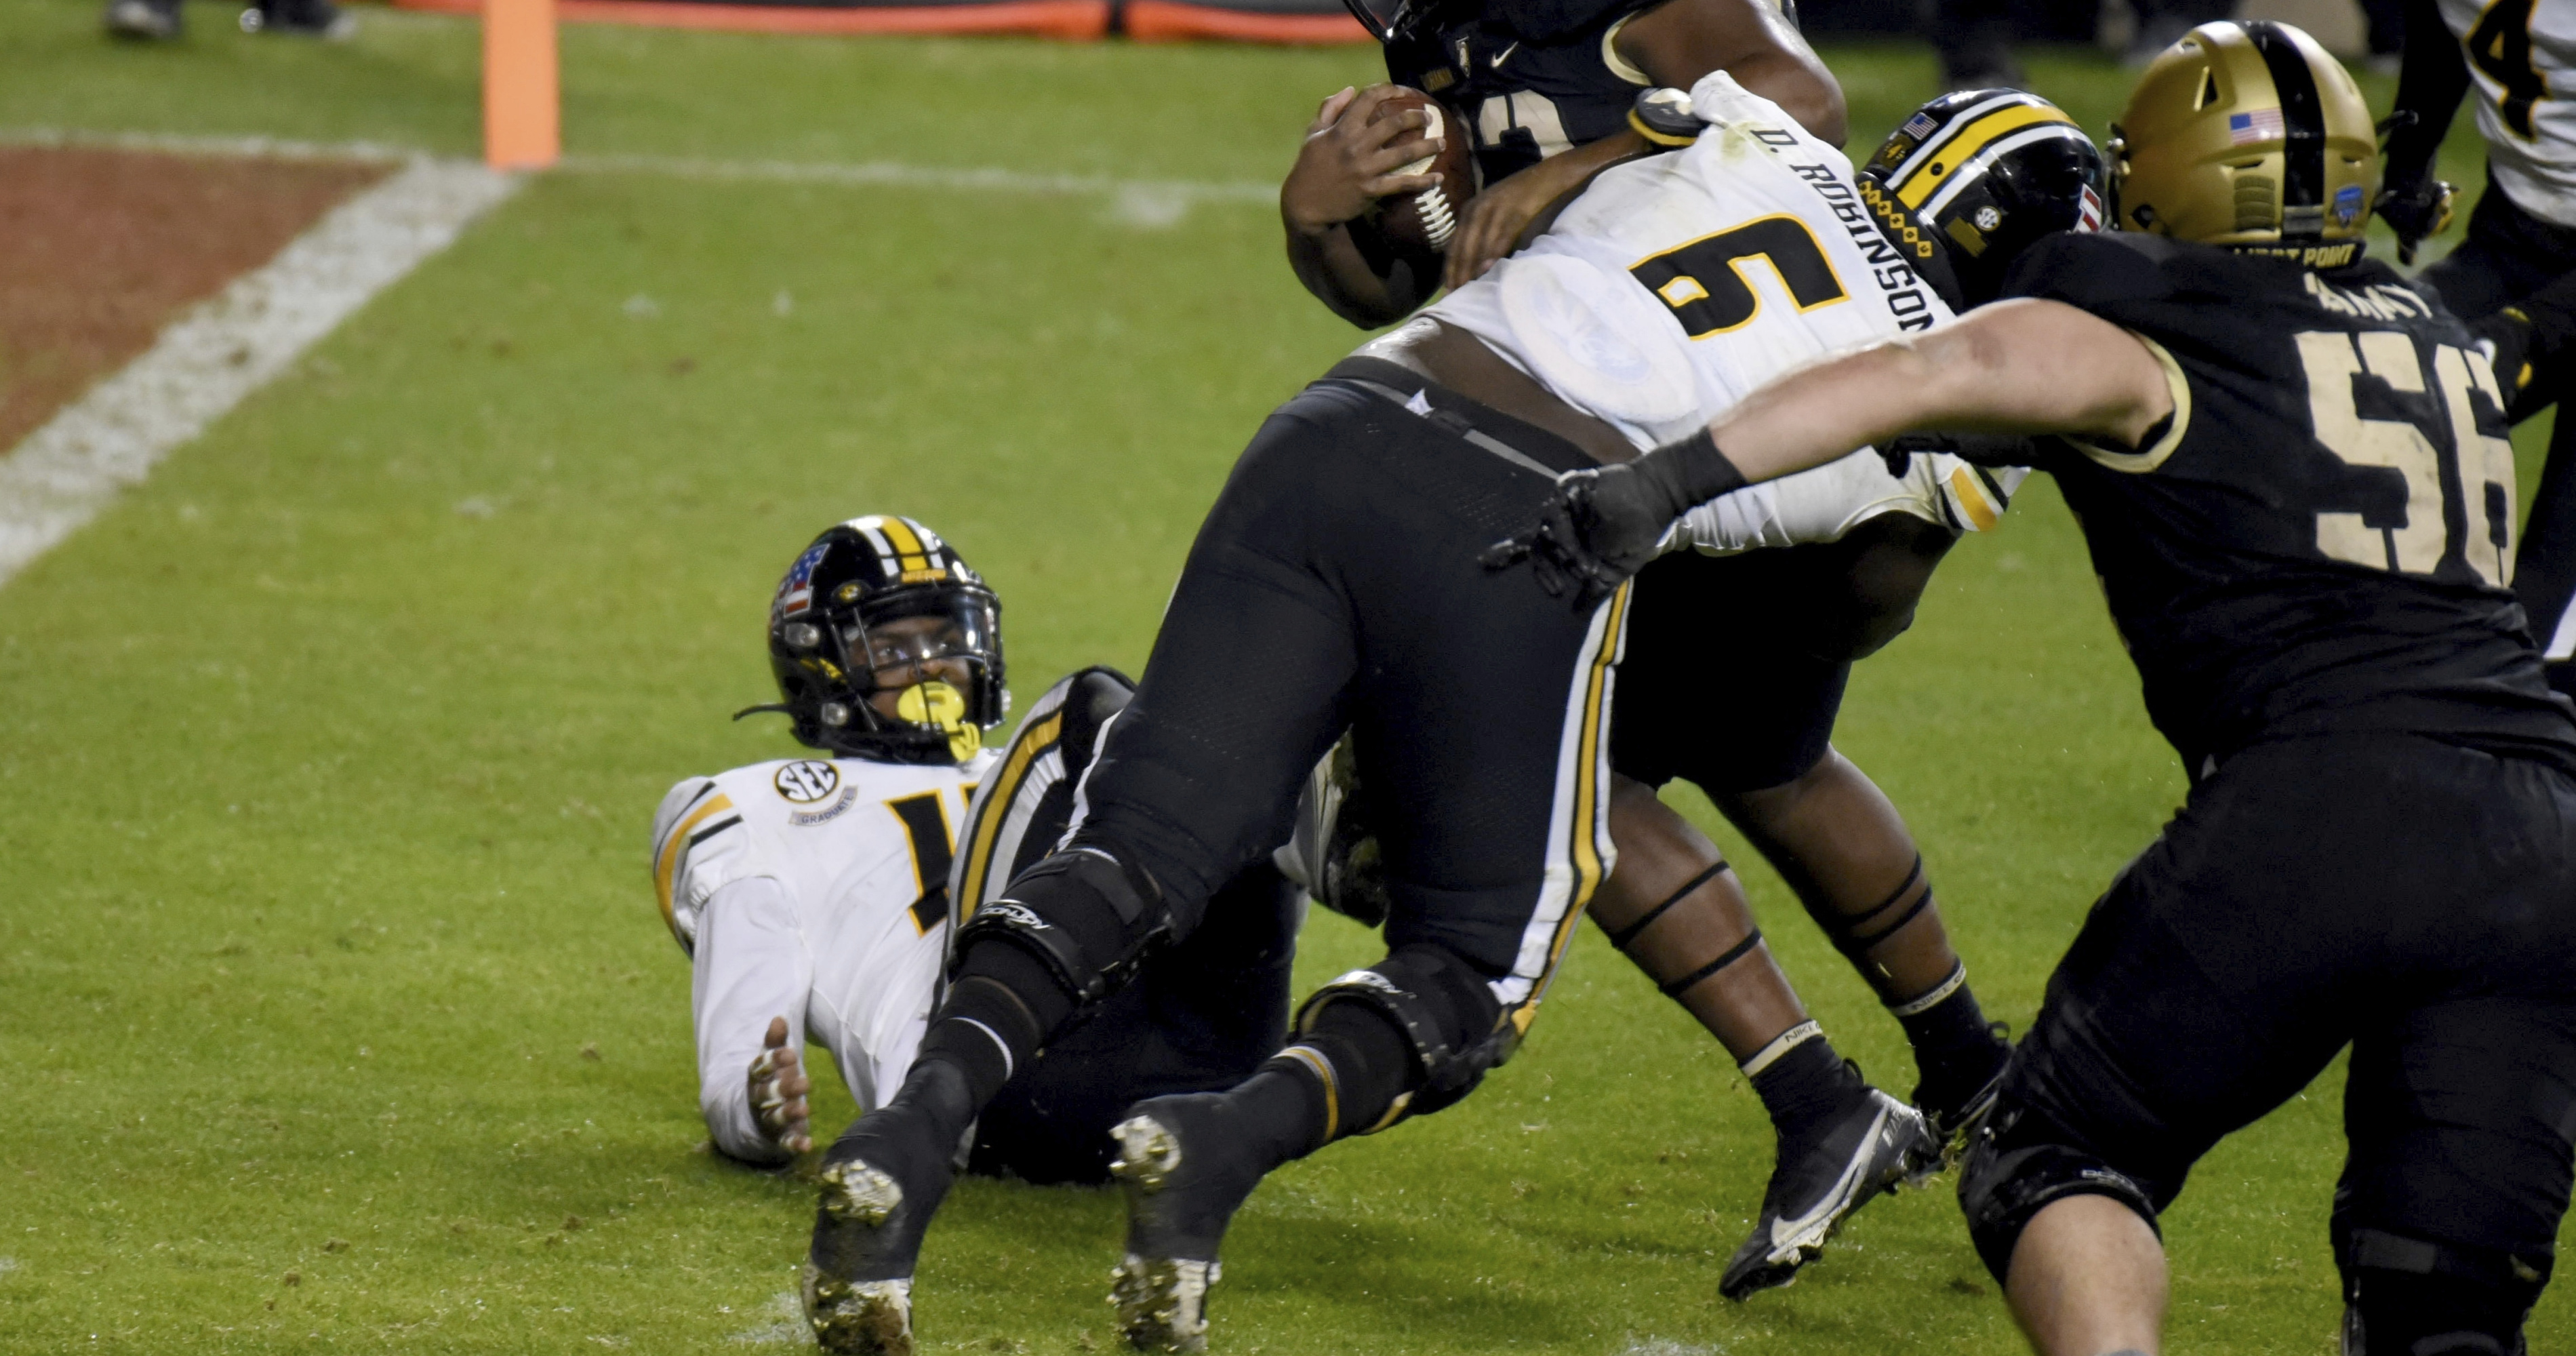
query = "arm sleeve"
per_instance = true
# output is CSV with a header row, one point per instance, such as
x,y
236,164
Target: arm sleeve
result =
x,y
2429,87
751,965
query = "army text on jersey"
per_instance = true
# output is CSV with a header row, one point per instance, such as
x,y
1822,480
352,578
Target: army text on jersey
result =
x,y
2321,538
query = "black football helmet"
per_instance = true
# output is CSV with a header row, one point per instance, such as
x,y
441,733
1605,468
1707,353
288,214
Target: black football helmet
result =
x,y
1973,178
855,603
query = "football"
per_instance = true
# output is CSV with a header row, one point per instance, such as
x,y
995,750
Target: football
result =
x,y
1425,220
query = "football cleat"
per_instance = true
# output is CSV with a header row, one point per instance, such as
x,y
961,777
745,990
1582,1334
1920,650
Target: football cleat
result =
x,y
303,18
1951,1098
151,20
882,1182
1185,1169
1861,1154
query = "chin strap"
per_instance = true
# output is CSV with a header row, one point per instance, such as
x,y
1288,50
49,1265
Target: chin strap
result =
x,y
780,708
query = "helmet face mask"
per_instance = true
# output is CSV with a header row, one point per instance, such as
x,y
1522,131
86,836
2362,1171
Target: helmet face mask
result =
x,y
2250,136
1973,178
881,608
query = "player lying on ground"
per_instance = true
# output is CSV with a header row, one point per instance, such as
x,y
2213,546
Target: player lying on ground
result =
x,y
1736,663
2291,471
2522,60
1333,587
813,894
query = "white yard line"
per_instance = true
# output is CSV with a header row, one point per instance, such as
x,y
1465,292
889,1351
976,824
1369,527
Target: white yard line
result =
x,y
207,361
852,174
204,364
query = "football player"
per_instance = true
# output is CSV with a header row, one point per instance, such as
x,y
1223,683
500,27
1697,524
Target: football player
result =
x,y
1548,90
1332,587
2521,57
2291,469
813,894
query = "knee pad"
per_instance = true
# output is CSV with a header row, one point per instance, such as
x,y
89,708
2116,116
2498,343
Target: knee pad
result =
x,y
1089,919
2018,1164
1446,1012
2407,1297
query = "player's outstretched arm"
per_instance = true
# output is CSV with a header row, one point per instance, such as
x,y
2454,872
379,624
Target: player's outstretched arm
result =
x,y
2028,366
1345,165
750,967
2412,201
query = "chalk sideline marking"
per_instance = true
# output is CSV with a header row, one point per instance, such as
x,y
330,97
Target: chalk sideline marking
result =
x,y
203,365
62,474
1144,198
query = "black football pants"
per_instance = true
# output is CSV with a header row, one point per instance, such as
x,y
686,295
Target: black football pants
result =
x,y
2411,899
1336,584
1199,1016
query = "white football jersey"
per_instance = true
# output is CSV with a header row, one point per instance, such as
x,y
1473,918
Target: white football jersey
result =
x,y
1677,284
816,890
2522,65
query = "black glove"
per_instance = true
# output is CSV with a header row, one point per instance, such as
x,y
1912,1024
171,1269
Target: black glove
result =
x,y
1602,526
2415,211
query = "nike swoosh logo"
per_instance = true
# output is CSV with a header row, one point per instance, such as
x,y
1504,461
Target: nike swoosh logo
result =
x,y
1784,1231
1505,56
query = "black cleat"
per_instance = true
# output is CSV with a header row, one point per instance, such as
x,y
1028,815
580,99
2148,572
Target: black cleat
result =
x,y
150,20
1955,1093
1860,1154
1186,1167
881,1182
304,18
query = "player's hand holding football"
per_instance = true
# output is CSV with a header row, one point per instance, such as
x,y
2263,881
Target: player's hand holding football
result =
x,y
1347,162
778,1088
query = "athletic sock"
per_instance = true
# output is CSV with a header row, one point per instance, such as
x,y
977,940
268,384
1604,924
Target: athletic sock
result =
x,y
1352,1071
1804,1084
1282,1110
1952,1043
1003,1005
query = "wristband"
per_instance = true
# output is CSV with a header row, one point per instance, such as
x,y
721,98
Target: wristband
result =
x,y
1691,471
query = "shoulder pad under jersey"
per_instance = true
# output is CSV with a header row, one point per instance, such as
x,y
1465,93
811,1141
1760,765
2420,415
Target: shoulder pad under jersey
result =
x,y
696,828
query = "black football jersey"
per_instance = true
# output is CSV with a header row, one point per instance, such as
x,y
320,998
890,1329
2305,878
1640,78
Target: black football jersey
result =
x,y
2322,536
1529,78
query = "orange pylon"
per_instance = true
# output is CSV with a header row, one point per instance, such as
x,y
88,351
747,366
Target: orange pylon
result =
x,y
522,117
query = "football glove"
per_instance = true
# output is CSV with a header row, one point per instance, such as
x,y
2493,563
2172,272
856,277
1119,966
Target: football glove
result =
x,y
1602,526
2416,211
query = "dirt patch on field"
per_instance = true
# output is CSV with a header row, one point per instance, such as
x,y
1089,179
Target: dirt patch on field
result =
x,y
101,248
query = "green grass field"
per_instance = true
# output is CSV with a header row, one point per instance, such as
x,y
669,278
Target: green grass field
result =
x,y
334,1007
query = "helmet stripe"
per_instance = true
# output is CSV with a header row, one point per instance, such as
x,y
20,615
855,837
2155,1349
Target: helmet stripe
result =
x,y
2303,153
1959,121
907,547
1967,175
1972,141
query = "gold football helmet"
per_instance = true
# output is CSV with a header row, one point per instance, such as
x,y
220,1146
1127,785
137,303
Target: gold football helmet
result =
x,y
2247,135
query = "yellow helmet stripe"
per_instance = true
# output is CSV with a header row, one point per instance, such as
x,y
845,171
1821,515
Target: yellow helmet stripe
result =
x,y
1972,139
910,554
1965,176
